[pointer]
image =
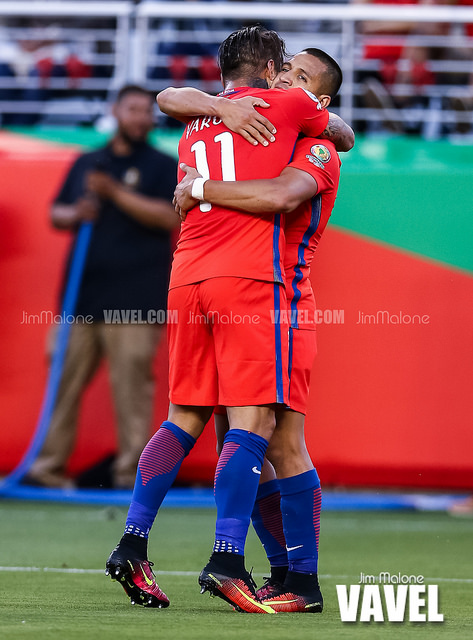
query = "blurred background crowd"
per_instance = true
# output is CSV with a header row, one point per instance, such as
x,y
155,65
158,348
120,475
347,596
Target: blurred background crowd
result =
x,y
401,76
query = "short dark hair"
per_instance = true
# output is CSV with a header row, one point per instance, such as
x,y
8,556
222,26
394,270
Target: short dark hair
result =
x,y
129,89
246,52
333,78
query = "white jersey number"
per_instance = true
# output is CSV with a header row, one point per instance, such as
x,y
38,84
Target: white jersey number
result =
x,y
227,160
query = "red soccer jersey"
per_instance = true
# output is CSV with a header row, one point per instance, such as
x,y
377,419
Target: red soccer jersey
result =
x,y
304,227
215,241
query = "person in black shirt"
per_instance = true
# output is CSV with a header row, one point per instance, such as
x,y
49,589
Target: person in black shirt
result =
x,y
126,189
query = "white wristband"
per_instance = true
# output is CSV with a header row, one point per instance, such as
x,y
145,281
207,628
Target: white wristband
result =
x,y
198,188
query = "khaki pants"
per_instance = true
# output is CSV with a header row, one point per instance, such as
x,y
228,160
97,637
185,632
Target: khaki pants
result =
x,y
129,350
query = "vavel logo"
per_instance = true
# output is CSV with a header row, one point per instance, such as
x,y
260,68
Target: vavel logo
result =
x,y
404,597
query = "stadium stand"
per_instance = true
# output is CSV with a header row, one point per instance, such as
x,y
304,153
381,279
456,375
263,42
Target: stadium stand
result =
x,y
73,54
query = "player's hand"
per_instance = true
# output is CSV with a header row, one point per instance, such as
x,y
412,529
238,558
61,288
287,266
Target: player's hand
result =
x,y
101,184
183,200
241,116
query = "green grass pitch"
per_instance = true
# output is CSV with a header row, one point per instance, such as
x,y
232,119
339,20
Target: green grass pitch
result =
x,y
47,597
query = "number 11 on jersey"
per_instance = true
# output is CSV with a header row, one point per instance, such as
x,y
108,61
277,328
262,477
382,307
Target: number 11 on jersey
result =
x,y
227,160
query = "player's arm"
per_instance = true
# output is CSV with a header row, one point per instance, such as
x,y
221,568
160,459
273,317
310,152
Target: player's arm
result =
x,y
237,115
338,132
282,194
151,212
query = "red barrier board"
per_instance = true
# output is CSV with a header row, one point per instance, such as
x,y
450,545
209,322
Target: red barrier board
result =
x,y
390,400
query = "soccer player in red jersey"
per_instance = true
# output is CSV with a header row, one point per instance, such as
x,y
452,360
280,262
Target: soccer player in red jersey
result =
x,y
314,170
243,367
193,255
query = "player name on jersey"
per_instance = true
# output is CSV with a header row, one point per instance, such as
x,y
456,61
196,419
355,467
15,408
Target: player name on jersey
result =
x,y
201,123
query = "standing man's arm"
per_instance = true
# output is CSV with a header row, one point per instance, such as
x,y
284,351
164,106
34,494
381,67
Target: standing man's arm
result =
x,y
68,216
72,205
151,212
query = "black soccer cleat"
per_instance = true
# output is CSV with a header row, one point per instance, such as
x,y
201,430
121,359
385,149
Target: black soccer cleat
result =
x,y
137,579
300,593
269,588
238,591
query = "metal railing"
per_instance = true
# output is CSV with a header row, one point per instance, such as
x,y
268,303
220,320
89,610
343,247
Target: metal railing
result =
x,y
162,43
98,34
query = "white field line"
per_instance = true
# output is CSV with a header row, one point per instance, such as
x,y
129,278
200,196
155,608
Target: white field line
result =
x,y
195,573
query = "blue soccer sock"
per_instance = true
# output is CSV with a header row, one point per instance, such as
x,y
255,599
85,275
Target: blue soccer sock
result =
x,y
301,500
267,521
236,483
157,469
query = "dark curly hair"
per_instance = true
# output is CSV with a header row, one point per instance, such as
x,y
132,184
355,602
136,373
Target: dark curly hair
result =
x,y
245,53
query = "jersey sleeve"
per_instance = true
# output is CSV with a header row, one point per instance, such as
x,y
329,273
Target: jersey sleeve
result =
x,y
319,159
311,117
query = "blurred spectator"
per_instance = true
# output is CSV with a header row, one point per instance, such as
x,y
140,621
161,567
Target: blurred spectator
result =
x,y
126,188
400,62
462,104
30,62
403,62
190,50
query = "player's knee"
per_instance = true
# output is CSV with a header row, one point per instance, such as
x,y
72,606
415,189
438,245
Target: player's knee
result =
x,y
265,427
275,454
190,419
259,420
288,458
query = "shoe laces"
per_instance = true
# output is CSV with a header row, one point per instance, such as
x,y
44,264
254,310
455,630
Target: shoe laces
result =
x,y
251,579
270,582
269,587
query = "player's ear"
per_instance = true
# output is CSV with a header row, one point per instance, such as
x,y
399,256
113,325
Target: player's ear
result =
x,y
271,71
325,100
